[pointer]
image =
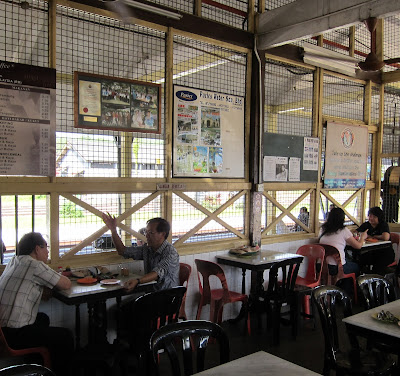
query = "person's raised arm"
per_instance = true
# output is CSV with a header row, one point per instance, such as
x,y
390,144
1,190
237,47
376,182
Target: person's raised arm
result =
x,y
357,244
111,223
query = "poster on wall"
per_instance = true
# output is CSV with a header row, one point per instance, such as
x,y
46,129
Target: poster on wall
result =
x,y
345,156
104,102
27,119
208,134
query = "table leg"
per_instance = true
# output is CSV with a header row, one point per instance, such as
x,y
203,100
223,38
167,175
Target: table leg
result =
x,y
243,281
97,323
77,327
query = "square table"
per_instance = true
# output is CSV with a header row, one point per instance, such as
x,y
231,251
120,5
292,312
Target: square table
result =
x,y
260,363
257,264
95,296
363,324
366,248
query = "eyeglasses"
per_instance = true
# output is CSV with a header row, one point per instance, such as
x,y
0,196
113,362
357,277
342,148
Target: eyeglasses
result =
x,y
150,232
44,246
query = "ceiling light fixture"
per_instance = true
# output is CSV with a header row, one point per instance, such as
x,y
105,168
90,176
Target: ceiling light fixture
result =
x,y
290,110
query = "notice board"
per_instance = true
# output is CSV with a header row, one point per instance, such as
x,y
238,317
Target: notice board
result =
x,y
290,158
208,134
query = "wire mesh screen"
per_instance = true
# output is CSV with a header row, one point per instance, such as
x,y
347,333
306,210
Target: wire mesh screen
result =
x,y
21,214
186,216
95,44
391,44
228,12
351,205
391,126
362,41
272,4
80,216
276,219
343,98
24,32
375,104
186,6
288,99
337,40
209,67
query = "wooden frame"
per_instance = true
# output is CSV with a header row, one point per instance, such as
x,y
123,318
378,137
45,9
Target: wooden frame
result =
x,y
104,102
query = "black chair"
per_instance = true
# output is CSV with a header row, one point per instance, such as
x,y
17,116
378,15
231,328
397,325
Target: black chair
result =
x,y
188,338
148,313
282,280
26,370
331,303
375,290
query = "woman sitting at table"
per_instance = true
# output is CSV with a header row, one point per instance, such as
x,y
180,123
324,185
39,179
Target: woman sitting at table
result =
x,y
377,228
335,233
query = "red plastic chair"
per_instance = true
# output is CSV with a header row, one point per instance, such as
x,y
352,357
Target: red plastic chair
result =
x,y
314,253
184,274
395,239
333,253
6,351
217,298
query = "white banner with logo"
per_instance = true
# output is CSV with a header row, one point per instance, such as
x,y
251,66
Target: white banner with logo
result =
x,y
208,138
345,156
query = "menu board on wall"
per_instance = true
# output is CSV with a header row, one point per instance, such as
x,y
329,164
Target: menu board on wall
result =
x,y
27,119
345,156
208,134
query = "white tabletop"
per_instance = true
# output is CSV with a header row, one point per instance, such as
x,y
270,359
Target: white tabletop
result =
x,y
365,319
82,290
260,363
262,257
373,244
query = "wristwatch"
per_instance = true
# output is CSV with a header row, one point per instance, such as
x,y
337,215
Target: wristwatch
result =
x,y
138,279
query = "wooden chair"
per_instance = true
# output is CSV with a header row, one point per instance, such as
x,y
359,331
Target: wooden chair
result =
x,y
6,351
315,255
217,298
280,290
328,299
187,337
332,253
184,274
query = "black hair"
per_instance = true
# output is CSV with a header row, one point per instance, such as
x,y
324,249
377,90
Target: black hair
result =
x,y
377,212
28,243
334,222
162,225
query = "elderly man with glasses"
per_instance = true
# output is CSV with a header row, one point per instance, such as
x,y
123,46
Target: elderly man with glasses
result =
x,y
161,260
21,289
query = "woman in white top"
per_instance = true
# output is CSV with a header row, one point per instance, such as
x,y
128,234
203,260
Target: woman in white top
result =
x,y
334,232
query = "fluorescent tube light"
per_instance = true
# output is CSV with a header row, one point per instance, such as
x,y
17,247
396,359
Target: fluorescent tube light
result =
x,y
331,60
290,110
152,9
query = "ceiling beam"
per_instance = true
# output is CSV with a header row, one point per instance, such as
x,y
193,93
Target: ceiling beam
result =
x,y
305,18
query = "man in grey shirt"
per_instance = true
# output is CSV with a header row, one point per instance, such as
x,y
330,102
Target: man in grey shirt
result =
x,y
161,260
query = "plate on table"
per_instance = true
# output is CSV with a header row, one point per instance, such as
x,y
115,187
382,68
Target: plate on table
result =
x,y
87,281
111,281
244,251
371,240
